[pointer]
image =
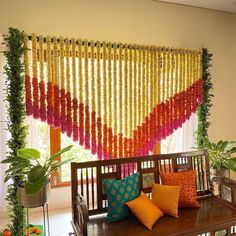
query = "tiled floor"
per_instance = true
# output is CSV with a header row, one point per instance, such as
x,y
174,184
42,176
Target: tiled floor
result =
x,y
59,222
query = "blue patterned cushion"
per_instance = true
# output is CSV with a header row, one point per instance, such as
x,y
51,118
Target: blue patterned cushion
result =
x,y
118,192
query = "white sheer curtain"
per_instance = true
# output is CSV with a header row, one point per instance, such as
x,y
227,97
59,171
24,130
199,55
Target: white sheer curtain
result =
x,y
186,140
4,135
182,139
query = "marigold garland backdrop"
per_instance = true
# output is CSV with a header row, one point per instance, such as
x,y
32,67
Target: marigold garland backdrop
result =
x,y
117,100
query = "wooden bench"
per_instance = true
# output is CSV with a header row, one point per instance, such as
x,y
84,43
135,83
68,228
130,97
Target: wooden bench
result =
x,y
89,202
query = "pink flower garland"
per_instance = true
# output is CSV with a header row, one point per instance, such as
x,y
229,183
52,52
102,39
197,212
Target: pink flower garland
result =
x,y
49,104
68,115
29,110
75,119
42,110
36,99
56,106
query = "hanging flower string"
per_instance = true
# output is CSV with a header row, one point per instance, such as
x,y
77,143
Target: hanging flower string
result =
x,y
87,113
116,100
56,110
62,85
42,109
28,98
93,115
68,92
35,78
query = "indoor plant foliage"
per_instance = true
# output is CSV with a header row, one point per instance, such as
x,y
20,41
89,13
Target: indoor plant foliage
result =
x,y
14,95
35,174
220,154
203,111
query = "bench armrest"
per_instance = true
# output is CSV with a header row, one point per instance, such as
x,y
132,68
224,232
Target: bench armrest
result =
x,y
80,216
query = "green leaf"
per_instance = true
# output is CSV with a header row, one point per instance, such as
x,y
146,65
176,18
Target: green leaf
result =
x,y
29,153
223,145
15,159
58,164
37,172
66,149
232,164
10,176
16,168
233,150
35,187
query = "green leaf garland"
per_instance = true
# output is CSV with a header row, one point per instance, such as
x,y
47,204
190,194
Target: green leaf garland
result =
x,y
204,110
14,95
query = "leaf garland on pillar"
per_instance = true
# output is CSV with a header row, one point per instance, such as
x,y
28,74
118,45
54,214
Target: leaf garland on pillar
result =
x,y
15,97
203,111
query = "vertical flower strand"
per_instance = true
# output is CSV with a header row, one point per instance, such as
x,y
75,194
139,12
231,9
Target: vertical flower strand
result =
x,y
28,98
75,100
86,87
93,115
115,100
62,85
109,100
81,95
42,108
35,78
120,58
105,110
56,84
50,85
98,99
68,91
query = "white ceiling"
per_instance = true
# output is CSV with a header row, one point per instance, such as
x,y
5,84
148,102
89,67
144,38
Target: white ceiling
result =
x,y
221,5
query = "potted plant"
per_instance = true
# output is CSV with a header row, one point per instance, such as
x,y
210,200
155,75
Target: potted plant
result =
x,y
220,155
33,191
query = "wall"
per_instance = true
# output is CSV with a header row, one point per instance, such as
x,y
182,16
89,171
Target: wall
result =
x,y
141,22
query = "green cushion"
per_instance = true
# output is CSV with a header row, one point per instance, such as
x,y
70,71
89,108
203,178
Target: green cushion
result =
x,y
118,193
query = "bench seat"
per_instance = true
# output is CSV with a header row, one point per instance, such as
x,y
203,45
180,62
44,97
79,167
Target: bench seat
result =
x,y
215,217
210,216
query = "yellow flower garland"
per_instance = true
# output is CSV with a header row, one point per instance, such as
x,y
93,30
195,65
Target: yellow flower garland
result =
x,y
34,55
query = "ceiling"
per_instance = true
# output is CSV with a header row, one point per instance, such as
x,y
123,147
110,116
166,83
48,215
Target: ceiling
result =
x,y
220,5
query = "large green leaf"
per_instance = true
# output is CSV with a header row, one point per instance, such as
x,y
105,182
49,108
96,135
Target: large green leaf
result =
x,y
233,150
37,172
230,145
35,187
15,169
28,153
14,160
232,164
223,145
10,176
66,149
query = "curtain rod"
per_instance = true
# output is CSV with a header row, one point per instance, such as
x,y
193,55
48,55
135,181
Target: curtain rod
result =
x,y
134,46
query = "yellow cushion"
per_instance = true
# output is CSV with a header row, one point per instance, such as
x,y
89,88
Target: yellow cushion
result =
x,y
166,198
145,210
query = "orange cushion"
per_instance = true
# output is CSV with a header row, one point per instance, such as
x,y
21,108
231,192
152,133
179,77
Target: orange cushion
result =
x,y
166,198
145,210
187,180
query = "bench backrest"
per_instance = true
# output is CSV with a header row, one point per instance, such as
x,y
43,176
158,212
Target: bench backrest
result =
x,y
87,177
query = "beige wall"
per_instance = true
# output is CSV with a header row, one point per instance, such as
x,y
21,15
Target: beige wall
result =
x,y
141,22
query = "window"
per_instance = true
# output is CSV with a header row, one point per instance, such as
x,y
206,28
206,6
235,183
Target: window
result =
x,y
51,140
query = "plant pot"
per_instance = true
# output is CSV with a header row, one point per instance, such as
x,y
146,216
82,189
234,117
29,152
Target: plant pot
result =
x,y
34,200
223,173
217,175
